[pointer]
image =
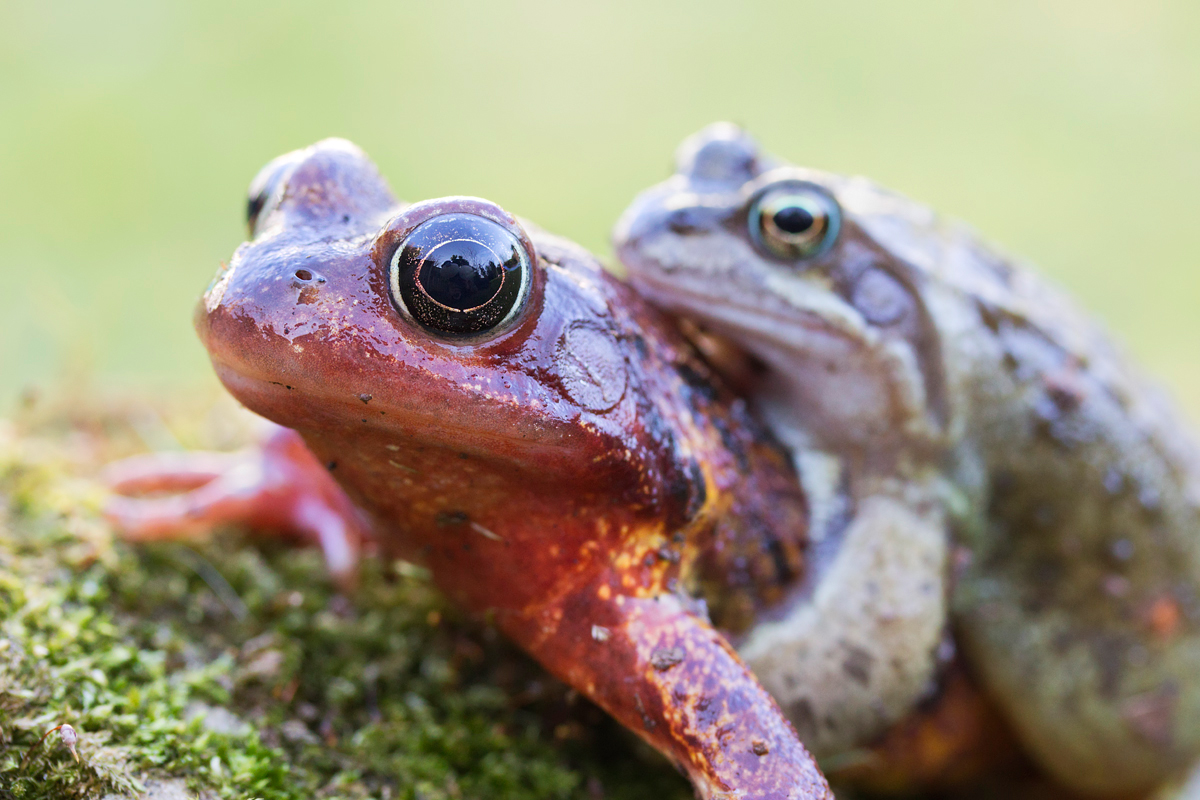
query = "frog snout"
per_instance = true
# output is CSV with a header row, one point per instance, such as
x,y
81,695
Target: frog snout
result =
x,y
650,220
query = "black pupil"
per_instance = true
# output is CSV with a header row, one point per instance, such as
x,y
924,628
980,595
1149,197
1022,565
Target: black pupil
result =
x,y
794,219
461,274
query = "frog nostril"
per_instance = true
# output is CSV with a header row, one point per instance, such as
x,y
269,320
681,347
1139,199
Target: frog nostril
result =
x,y
304,275
683,221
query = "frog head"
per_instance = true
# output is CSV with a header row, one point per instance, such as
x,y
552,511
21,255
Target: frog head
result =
x,y
822,277
441,323
467,375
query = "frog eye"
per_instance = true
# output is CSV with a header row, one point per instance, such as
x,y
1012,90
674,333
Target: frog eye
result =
x,y
266,188
460,274
795,221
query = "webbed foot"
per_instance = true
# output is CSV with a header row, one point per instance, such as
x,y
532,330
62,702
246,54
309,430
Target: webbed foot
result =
x,y
276,486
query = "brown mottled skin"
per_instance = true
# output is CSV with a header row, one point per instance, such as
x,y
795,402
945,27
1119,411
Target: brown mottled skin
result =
x,y
575,475
1055,491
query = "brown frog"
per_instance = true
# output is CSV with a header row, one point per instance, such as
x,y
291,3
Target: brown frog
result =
x,y
992,465
506,413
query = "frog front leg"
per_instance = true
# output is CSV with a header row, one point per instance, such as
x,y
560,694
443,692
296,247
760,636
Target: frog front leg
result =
x,y
277,485
656,664
860,651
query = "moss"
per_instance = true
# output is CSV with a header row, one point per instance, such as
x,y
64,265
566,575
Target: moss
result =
x,y
237,666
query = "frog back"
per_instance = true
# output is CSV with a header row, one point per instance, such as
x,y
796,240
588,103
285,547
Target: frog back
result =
x,y
1077,591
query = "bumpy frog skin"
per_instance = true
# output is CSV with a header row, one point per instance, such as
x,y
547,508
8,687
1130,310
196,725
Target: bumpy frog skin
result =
x,y
974,418
569,468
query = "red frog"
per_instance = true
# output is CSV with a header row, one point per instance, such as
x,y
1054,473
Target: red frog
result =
x,y
501,410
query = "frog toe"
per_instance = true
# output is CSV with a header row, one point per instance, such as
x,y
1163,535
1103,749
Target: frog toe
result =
x,y
277,488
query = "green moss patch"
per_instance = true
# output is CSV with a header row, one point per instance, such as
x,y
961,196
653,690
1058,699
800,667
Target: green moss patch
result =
x,y
235,665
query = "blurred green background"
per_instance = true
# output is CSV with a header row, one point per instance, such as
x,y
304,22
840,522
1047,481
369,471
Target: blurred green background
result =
x,y
1068,132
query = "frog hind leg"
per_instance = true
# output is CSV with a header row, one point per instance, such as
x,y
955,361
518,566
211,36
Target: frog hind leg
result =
x,y
277,486
1079,600
951,744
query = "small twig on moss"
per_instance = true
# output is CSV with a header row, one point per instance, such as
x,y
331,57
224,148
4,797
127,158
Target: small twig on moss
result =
x,y
66,734
215,580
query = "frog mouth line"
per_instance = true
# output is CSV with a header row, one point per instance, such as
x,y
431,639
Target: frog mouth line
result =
x,y
781,329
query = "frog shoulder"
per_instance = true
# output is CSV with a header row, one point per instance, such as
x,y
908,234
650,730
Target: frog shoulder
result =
x,y
1010,292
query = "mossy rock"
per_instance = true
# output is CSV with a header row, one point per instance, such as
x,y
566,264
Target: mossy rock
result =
x,y
233,667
